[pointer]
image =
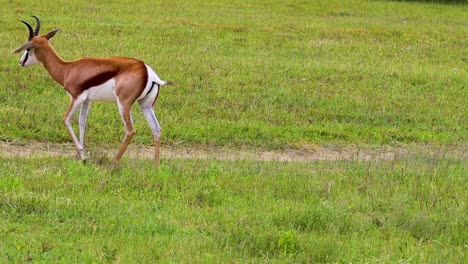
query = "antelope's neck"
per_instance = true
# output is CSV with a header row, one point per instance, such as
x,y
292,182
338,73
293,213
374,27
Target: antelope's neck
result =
x,y
55,65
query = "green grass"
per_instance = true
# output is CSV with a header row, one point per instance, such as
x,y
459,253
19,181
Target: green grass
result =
x,y
407,210
268,74
264,73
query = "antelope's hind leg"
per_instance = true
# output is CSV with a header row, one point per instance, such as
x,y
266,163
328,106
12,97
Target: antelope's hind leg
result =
x,y
148,112
82,123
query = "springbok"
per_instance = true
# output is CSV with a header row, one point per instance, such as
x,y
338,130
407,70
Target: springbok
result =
x,y
120,79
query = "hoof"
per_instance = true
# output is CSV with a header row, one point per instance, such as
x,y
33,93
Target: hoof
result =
x,y
81,155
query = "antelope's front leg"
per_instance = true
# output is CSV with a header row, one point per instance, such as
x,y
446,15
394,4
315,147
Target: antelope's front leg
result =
x,y
125,113
74,104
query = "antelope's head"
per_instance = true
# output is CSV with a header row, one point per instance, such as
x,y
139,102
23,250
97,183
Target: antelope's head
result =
x,y
35,41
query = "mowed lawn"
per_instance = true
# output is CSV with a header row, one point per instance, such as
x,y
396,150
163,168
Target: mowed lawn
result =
x,y
265,74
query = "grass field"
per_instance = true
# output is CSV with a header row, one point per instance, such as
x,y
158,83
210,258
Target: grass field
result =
x,y
407,211
263,74
270,73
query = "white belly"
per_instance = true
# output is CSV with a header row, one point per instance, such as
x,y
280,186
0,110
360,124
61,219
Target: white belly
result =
x,y
103,92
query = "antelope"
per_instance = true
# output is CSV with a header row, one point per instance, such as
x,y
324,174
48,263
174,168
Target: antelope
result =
x,y
120,79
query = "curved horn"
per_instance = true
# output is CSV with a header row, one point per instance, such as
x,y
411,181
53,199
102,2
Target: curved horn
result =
x,y
38,26
31,33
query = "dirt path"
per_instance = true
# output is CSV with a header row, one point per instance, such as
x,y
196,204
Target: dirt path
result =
x,y
305,154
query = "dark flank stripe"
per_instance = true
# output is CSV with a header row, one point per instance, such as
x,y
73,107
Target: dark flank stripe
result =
x,y
98,79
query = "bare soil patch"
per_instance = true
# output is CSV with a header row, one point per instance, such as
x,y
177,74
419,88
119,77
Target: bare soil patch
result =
x,y
306,153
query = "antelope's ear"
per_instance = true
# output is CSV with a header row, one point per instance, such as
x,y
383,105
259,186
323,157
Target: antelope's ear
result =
x,y
51,34
26,46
